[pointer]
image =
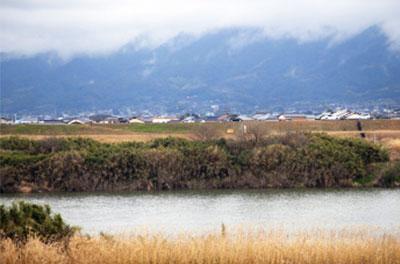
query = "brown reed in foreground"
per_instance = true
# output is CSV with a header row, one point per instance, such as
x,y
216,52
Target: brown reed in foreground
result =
x,y
275,247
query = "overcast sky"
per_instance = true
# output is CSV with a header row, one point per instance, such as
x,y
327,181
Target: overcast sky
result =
x,y
73,27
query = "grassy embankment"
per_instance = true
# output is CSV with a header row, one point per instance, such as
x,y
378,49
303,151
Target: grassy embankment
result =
x,y
292,160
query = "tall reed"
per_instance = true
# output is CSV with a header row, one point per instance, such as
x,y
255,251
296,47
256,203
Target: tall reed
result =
x,y
241,247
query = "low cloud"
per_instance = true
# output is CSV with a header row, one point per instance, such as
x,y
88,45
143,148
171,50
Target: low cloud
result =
x,y
92,27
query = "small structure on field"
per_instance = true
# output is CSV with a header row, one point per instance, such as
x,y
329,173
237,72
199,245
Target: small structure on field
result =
x,y
230,131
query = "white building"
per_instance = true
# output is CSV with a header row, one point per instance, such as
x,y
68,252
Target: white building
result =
x,y
264,117
357,116
338,115
163,120
27,120
4,120
135,120
244,118
343,115
76,122
189,119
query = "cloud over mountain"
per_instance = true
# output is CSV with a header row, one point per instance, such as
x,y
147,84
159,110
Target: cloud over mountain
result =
x,y
73,27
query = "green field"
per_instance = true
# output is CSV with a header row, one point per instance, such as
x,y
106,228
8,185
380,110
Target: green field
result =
x,y
38,129
156,128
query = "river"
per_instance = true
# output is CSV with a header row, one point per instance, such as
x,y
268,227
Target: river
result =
x,y
205,211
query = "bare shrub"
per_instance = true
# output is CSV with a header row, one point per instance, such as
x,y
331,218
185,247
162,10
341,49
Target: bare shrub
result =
x,y
206,132
255,131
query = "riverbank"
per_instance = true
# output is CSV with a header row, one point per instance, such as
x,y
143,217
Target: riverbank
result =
x,y
287,161
224,247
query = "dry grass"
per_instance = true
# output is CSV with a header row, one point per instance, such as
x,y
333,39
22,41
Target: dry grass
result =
x,y
274,247
317,125
393,145
378,135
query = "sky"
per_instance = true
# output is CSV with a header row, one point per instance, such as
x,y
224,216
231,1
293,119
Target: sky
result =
x,y
94,27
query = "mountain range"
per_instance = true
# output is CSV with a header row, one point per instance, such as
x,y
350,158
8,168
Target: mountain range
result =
x,y
232,69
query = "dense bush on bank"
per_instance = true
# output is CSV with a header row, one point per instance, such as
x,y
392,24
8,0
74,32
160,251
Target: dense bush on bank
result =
x,y
293,160
22,220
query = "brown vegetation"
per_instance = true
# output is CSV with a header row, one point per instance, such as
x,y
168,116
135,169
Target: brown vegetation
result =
x,y
239,247
394,147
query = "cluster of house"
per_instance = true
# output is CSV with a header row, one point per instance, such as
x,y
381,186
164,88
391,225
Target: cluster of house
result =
x,y
343,115
190,118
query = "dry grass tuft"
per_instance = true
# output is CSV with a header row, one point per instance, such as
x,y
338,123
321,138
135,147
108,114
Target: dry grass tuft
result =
x,y
261,247
393,145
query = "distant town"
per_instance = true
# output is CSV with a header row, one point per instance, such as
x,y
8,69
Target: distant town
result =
x,y
107,118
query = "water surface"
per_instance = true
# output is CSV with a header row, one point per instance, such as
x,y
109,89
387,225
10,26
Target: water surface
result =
x,y
204,211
